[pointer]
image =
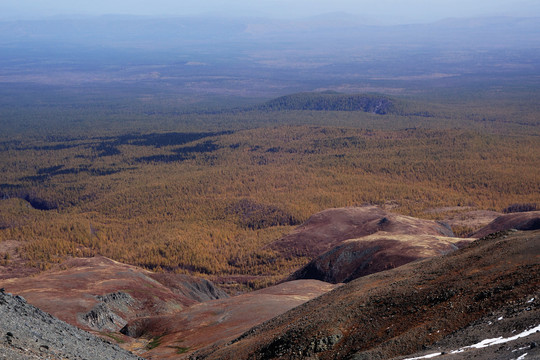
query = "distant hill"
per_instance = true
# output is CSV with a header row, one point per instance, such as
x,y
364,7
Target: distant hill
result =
x,y
331,101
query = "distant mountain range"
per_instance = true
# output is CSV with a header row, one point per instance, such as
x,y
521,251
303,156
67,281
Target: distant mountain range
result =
x,y
328,31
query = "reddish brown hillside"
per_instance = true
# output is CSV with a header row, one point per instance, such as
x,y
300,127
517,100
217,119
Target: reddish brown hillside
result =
x,y
370,254
520,221
219,321
400,311
102,294
329,228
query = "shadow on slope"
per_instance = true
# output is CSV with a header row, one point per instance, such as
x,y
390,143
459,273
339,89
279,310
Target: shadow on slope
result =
x,y
373,253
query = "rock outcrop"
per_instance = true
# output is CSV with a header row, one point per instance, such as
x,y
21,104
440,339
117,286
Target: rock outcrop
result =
x,y
29,333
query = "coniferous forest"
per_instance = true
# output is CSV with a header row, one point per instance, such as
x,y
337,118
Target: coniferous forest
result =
x,y
176,168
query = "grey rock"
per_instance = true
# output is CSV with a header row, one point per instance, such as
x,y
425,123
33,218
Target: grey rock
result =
x,y
30,333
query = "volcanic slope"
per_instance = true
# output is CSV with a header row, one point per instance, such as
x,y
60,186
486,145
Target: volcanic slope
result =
x,y
29,333
373,253
217,322
329,228
103,295
404,310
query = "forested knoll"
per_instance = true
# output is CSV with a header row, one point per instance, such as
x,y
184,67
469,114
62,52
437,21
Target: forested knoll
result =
x,y
331,101
165,196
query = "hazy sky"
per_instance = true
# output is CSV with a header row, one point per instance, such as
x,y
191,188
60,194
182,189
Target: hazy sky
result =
x,y
390,10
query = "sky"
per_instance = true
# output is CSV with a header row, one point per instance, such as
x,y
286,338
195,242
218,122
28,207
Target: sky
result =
x,y
394,11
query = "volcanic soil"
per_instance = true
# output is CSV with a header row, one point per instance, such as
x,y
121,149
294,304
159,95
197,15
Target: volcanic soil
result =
x,y
103,295
217,322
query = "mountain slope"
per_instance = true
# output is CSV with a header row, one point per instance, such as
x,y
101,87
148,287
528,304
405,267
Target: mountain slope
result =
x,y
219,321
373,253
529,220
29,333
400,311
329,228
103,295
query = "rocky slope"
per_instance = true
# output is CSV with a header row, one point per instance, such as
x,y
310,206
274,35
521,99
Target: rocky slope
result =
x,y
505,334
103,295
404,310
329,228
29,333
373,253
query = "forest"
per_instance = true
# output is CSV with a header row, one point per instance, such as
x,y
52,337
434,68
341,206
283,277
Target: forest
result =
x,y
206,202
192,145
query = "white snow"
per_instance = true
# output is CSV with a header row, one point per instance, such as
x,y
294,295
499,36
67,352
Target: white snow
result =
x,y
501,340
425,357
500,318
530,301
486,343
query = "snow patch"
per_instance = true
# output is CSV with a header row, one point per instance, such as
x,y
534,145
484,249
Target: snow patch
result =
x,y
486,343
501,340
530,301
425,356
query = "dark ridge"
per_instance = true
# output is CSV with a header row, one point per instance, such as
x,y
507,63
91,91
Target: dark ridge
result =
x,y
50,170
340,143
52,147
163,158
329,101
207,146
46,173
108,146
532,224
8,191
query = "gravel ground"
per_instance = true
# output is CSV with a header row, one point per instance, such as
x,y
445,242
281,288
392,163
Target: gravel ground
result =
x,y
29,333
